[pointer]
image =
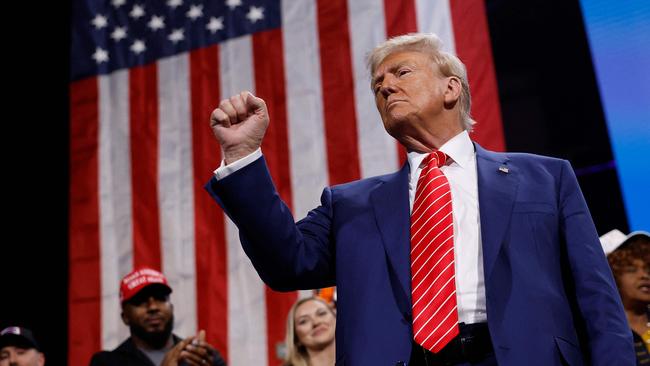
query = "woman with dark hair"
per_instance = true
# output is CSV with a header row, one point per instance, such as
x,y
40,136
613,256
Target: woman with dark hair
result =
x,y
311,324
630,264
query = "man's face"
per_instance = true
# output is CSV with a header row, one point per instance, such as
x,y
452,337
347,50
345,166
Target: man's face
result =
x,y
150,316
411,94
19,356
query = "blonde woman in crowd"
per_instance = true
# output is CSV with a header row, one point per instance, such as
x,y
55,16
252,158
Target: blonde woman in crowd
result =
x,y
310,333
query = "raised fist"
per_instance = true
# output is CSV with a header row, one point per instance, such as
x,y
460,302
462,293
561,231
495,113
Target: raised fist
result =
x,y
239,123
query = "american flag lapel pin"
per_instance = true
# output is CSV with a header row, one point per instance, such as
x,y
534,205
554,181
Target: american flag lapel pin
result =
x,y
503,169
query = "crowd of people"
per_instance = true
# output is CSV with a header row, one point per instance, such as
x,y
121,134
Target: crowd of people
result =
x,y
311,321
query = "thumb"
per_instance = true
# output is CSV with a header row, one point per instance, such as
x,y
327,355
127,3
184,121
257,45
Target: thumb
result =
x,y
181,345
201,335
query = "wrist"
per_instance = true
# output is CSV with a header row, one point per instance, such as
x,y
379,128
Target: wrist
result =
x,y
232,155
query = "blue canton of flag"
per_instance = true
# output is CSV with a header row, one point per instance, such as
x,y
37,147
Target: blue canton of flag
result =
x,y
117,34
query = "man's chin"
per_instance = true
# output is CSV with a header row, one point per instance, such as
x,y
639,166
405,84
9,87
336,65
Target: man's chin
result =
x,y
395,125
155,336
155,328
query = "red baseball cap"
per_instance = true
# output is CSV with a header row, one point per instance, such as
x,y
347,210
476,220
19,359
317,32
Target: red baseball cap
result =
x,y
140,278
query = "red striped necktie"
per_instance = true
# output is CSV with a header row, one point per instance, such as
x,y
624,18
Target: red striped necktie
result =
x,y
433,287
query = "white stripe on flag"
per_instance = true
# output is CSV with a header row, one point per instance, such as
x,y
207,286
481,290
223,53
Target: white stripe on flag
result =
x,y
304,105
175,191
434,16
246,293
377,149
116,230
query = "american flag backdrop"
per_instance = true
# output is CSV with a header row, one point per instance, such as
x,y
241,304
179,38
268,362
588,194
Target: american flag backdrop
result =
x,y
146,75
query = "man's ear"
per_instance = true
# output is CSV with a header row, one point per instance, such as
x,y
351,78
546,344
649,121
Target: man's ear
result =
x,y
452,92
125,318
41,359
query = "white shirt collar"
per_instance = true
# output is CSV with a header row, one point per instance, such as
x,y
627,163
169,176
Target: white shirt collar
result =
x,y
459,149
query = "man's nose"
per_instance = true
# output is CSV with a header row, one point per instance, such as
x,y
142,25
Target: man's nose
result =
x,y
387,86
152,304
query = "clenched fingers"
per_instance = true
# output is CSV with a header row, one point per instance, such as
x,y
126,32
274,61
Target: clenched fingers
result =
x,y
219,118
239,104
197,354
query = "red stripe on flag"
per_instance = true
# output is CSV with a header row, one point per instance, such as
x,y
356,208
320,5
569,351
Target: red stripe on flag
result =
x,y
210,242
143,99
472,40
400,18
338,91
85,282
268,59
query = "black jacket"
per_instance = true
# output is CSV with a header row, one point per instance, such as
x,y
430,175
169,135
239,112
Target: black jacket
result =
x,y
128,354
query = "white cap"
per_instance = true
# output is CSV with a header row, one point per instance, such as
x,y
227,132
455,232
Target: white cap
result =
x,y
615,238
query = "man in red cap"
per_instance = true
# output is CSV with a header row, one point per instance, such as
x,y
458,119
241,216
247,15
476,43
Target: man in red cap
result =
x,y
149,314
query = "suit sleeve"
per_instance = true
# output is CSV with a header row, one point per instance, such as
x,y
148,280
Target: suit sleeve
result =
x,y
218,360
286,255
610,338
100,359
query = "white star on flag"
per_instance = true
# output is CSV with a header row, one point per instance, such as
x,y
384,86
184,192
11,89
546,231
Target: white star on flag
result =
x,y
215,24
138,46
100,55
174,3
177,35
255,14
118,3
118,33
99,21
195,12
232,4
137,11
156,23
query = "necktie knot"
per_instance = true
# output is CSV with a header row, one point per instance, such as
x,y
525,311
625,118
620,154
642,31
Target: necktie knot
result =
x,y
437,157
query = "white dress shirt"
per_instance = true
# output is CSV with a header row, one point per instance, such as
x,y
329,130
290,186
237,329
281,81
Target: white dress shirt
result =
x,y
460,170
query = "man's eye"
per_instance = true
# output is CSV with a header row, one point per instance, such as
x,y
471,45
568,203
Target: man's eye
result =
x,y
403,72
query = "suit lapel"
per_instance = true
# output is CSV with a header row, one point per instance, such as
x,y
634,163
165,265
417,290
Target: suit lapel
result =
x,y
497,189
390,202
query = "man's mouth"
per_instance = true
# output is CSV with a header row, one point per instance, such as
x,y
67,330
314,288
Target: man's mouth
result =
x,y
154,321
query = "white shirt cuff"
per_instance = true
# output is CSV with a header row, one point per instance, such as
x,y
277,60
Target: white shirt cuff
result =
x,y
225,170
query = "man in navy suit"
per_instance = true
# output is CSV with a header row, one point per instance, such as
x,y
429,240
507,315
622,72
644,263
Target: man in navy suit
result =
x,y
532,286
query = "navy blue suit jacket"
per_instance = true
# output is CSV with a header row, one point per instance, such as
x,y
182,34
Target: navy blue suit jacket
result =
x,y
551,298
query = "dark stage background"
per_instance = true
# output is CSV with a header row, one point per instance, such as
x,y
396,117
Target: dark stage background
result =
x,y
549,102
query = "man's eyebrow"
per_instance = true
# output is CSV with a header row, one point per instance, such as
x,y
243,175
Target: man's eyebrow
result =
x,y
390,69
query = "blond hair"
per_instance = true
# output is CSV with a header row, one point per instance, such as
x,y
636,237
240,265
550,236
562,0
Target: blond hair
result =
x,y
431,45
